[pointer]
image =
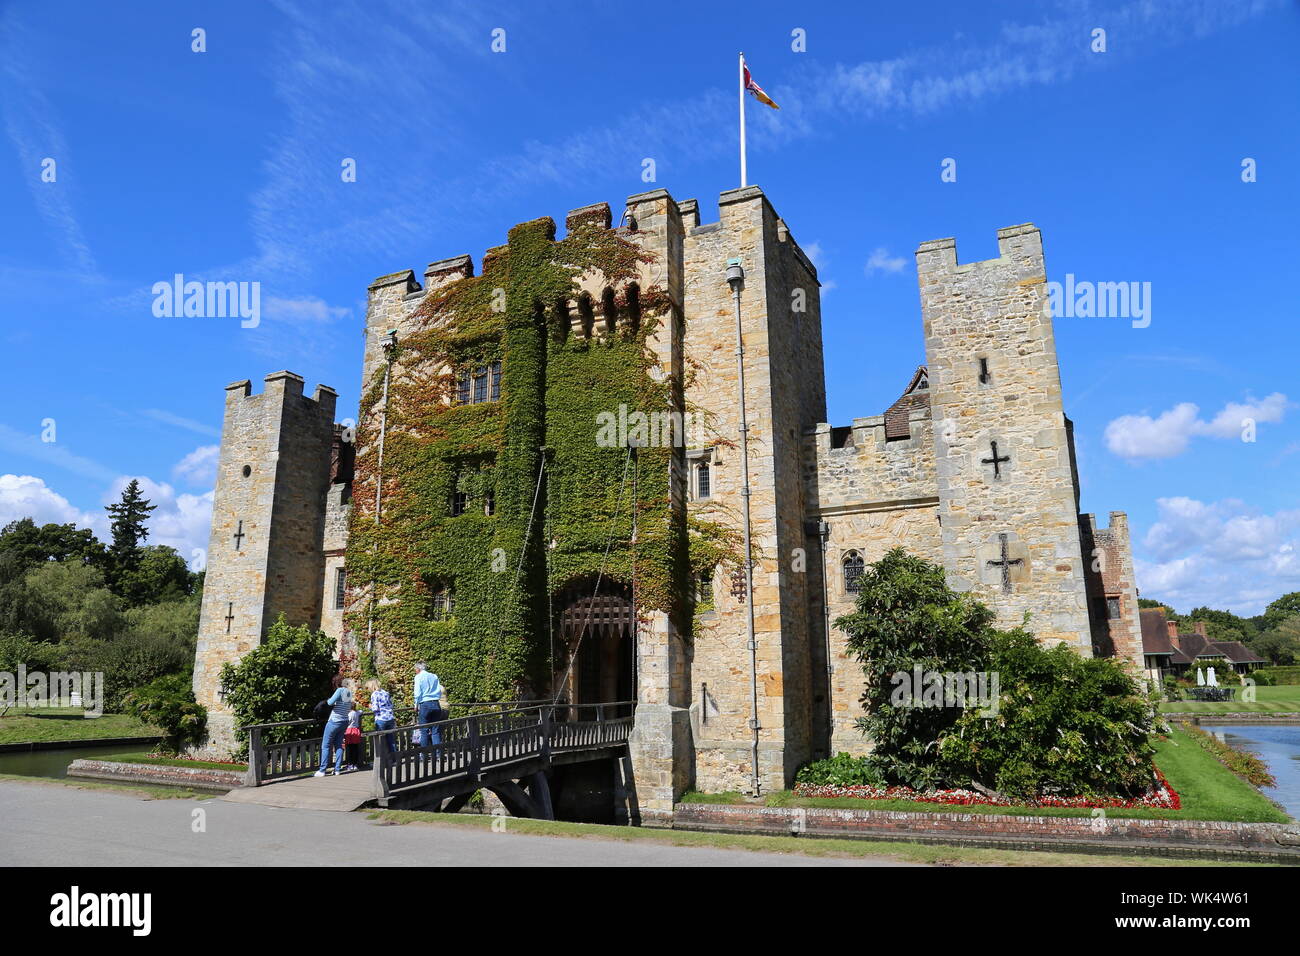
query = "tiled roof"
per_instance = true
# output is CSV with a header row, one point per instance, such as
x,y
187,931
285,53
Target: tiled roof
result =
x,y
916,395
1155,634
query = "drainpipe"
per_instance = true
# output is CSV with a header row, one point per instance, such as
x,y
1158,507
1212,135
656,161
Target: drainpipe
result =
x,y
389,346
736,279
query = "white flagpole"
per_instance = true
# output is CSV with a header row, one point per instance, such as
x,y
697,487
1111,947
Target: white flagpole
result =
x,y
742,120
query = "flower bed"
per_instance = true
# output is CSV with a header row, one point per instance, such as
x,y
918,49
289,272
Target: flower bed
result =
x,y
1160,797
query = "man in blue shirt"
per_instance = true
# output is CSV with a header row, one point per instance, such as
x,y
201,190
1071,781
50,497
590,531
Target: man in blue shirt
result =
x,y
428,706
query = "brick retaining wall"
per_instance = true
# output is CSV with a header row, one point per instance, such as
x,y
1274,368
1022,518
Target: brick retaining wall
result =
x,y
202,777
1112,834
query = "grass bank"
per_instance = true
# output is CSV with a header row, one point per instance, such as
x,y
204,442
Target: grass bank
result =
x,y
826,848
174,762
1208,789
41,724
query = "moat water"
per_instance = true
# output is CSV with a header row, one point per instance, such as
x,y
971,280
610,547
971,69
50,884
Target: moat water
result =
x,y
54,763
1278,746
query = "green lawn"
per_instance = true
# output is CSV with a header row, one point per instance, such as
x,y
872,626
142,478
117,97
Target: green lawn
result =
x,y
174,762
24,725
1209,791
1267,700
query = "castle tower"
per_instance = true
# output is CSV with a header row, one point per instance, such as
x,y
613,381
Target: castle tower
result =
x,y
1007,491
784,393
265,555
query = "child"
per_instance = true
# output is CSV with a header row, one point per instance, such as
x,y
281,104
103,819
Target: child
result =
x,y
352,737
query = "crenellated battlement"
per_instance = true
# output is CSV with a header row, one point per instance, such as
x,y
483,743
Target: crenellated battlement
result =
x,y
1017,245
285,385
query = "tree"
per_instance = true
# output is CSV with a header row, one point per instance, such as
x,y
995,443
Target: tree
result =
x,y
1281,645
1223,625
129,531
26,545
1288,605
1148,602
282,679
160,574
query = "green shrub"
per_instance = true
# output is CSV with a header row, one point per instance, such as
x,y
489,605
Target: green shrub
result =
x,y
842,770
1261,678
282,679
1277,676
1172,692
1062,723
132,660
168,702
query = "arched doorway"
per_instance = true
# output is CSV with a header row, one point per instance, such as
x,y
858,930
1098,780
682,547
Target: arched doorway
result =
x,y
598,635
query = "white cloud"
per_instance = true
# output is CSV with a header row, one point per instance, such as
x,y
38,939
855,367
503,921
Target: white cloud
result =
x,y
882,261
302,310
1167,435
199,467
26,496
52,453
1220,554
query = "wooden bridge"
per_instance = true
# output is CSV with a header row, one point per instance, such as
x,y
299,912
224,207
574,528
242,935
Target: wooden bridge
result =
x,y
508,751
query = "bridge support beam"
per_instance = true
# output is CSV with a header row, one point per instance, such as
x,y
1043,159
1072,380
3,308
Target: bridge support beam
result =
x,y
539,790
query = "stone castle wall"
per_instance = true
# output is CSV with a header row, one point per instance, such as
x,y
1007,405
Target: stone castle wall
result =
x,y
990,318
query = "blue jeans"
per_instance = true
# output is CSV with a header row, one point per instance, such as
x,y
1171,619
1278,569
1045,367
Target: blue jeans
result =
x,y
390,740
429,710
331,744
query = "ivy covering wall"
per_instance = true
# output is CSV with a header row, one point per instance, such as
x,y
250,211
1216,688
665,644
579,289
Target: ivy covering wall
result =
x,y
494,644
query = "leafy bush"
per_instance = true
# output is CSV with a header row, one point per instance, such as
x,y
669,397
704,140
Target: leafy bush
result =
x,y
842,770
1261,678
127,662
282,679
1172,692
19,650
168,702
1063,724
907,617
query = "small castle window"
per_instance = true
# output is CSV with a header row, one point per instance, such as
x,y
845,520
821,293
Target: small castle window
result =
x,y
483,384
704,589
853,568
340,588
1112,607
984,371
489,502
459,501
703,480
443,604
248,470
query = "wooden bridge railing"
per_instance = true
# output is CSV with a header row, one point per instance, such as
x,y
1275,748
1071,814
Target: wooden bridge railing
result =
x,y
467,746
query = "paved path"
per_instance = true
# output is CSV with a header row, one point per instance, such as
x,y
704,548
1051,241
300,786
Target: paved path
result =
x,y
344,792
52,824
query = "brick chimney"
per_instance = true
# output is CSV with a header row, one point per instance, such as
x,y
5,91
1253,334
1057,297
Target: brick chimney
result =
x,y
1172,627
1199,627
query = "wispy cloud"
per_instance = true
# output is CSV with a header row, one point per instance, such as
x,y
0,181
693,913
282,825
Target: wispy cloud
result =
x,y
30,122
52,453
881,261
189,424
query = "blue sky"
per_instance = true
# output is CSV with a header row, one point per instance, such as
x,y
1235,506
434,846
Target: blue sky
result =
x,y
225,165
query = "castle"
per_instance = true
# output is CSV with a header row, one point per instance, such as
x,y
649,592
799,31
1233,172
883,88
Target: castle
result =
x,y
474,519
